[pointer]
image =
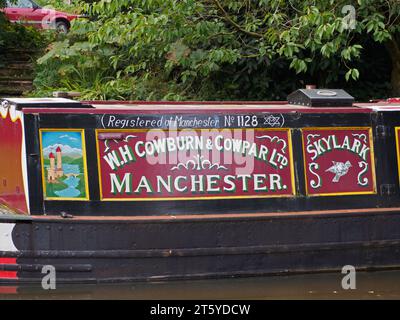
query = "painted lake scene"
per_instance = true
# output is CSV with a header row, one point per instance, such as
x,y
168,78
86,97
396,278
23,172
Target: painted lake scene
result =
x,y
63,165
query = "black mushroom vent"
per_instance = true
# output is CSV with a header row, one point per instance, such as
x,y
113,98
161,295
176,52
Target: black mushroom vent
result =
x,y
321,98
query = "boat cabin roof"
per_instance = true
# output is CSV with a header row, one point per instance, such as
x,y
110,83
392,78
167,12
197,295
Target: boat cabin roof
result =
x,y
61,105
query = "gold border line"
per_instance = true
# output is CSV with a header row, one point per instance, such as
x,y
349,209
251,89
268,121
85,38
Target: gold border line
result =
x,y
372,157
291,168
396,130
82,132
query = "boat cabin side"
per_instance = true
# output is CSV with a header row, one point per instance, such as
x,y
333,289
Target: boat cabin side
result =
x,y
161,158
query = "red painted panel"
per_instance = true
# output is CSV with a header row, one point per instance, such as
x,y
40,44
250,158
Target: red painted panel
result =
x,y
338,161
12,192
8,290
195,164
8,274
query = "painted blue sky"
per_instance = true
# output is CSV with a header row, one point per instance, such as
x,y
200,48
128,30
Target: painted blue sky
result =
x,y
72,139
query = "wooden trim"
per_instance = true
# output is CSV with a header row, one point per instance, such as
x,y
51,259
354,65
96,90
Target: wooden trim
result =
x,y
230,216
190,109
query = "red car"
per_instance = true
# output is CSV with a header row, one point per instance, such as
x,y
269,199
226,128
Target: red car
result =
x,y
28,12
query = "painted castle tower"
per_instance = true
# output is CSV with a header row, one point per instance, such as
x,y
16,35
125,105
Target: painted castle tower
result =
x,y
55,171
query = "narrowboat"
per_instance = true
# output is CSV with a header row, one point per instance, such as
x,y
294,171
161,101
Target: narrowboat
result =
x,y
122,191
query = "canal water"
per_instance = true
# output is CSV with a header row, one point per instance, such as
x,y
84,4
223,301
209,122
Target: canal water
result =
x,y
369,285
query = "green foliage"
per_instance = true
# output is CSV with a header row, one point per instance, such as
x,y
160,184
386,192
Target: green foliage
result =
x,y
216,49
18,36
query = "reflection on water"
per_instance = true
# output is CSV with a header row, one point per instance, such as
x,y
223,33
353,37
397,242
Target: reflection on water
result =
x,y
370,285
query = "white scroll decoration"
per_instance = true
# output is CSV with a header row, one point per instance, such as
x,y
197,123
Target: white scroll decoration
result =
x,y
315,184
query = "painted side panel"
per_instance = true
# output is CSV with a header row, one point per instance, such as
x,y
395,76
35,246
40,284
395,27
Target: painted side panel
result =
x,y
339,161
138,186
195,164
13,175
64,169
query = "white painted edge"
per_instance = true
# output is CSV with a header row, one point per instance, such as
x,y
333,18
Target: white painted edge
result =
x,y
6,241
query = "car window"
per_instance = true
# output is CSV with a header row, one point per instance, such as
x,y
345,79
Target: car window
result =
x,y
20,4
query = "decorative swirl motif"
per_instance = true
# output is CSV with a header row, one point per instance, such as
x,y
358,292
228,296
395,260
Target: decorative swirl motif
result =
x,y
312,136
199,163
361,136
129,137
189,165
362,181
314,184
277,139
106,144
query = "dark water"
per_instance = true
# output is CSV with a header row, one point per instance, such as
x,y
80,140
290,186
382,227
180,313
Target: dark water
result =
x,y
369,285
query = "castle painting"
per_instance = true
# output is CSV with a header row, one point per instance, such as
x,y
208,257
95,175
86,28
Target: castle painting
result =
x,y
64,165
53,173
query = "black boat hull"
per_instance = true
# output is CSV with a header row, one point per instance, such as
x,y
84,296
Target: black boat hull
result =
x,y
121,249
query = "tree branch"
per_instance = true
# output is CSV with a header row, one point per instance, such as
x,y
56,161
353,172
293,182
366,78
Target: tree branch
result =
x,y
234,24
